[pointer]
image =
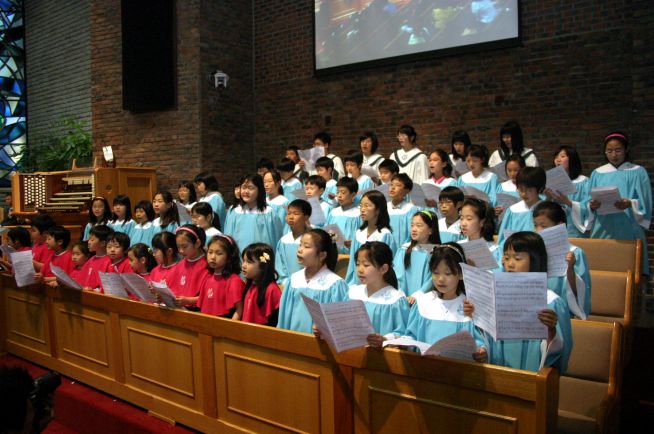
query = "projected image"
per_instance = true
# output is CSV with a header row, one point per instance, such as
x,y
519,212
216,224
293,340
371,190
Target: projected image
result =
x,y
354,31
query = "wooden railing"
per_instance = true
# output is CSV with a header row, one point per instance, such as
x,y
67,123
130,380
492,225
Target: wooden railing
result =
x,y
218,375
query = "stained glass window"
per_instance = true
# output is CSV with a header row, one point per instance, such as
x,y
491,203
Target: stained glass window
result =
x,y
12,86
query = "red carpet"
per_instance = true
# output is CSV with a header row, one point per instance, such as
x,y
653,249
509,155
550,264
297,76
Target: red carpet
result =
x,y
80,409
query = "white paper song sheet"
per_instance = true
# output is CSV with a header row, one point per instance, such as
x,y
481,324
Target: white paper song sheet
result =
x,y
558,246
559,180
337,235
167,296
431,191
64,278
507,304
317,214
344,325
184,215
461,168
112,284
500,171
607,196
23,268
137,286
384,189
479,253
310,156
370,171
7,250
506,200
474,192
300,194
407,342
461,345
417,196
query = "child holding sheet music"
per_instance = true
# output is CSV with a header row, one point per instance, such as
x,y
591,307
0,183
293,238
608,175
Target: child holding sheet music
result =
x,y
478,222
206,219
353,162
575,286
89,278
290,182
141,260
460,145
531,183
325,169
411,262
526,252
57,240
400,210
261,295
206,185
144,229
100,214
514,164
317,280
324,139
315,187
117,246
440,169
121,219
347,216
449,204
192,269
19,239
629,217
297,218
376,227
164,250
166,211
221,289
479,176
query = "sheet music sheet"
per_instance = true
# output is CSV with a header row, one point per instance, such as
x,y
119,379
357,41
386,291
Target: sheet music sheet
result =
x,y
138,286
518,299
384,189
300,194
184,215
112,284
461,168
480,291
310,156
7,250
23,268
317,214
337,235
460,345
405,341
506,200
608,196
474,192
480,254
64,277
430,191
559,180
167,296
500,171
418,196
370,171
558,246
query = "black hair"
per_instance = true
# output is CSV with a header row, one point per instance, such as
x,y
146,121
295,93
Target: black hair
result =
x,y
140,251
83,246
531,243
404,179
484,211
379,254
324,243
463,137
447,164
409,131
228,244
453,255
532,177
257,180
121,238
236,201
172,215
323,136
122,199
16,386
552,210
454,194
325,162
265,163
516,158
42,222
286,165
101,232
574,162
301,205
513,129
379,200
620,137
106,215
254,252
389,165
164,241
277,178
192,233
210,182
205,209
295,149
355,157
316,180
60,233
346,182
479,151
146,206
21,235
192,196
373,139
430,219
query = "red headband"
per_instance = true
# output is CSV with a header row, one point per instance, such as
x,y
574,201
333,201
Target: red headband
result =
x,y
231,241
187,229
615,135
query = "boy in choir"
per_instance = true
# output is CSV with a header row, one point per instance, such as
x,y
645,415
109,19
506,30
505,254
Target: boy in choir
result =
x,y
531,183
449,204
387,169
400,210
290,182
353,163
347,216
57,240
324,140
409,157
293,154
117,247
315,187
38,231
264,165
19,239
89,279
325,169
298,214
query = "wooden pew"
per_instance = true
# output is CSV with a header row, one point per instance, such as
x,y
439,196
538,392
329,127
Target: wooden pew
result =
x,y
217,375
612,297
612,255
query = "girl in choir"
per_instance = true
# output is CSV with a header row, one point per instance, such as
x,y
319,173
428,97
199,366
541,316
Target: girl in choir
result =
x,y
254,221
237,197
369,143
19,239
204,217
79,255
512,142
575,286
525,252
479,176
400,210
460,145
272,183
478,221
440,170
317,280
164,250
143,229
376,227
514,164
141,260
409,157
635,191
117,246
121,220
207,188
166,211
261,295
186,194
192,269
100,214
531,183
576,211
222,288
439,313
411,262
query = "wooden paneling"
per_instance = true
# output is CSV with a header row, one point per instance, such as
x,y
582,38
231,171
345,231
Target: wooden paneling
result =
x,y
26,323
